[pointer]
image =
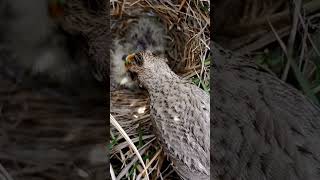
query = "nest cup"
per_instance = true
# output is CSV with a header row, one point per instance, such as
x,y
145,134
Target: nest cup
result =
x,y
186,25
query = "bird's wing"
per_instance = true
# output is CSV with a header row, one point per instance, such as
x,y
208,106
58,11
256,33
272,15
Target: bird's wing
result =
x,y
182,117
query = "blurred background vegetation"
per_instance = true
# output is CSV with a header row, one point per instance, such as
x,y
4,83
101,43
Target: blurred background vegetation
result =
x,y
280,35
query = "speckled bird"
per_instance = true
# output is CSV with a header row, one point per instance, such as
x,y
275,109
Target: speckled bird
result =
x,y
180,113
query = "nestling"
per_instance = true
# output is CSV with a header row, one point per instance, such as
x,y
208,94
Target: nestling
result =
x,y
145,34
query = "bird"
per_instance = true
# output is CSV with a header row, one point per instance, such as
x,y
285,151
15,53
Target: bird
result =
x,y
261,127
179,112
145,33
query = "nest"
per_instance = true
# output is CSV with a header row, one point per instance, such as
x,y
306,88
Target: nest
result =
x,y
187,25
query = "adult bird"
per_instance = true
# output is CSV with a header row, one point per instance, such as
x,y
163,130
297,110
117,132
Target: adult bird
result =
x,y
180,113
262,128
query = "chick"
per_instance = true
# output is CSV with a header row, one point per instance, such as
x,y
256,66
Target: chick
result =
x,y
145,34
148,34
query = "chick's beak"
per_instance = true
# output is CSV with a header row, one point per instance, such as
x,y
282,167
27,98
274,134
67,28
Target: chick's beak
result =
x,y
129,59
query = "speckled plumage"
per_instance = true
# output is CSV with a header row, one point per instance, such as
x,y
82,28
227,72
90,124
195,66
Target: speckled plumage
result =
x,y
262,128
180,113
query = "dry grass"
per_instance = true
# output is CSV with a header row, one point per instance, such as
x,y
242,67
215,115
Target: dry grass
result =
x,y
187,24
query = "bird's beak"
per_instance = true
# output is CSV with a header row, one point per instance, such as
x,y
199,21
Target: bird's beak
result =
x,y
129,59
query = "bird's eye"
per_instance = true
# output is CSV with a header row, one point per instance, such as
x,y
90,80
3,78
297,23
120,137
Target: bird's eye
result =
x,y
138,59
134,59
124,57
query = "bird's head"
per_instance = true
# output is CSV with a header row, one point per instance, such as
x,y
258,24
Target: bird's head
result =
x,y
148,68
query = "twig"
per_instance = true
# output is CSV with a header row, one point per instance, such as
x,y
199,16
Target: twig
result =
x,y
5,173
149,164
113,177
292,37
128,166
304,84
124,134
